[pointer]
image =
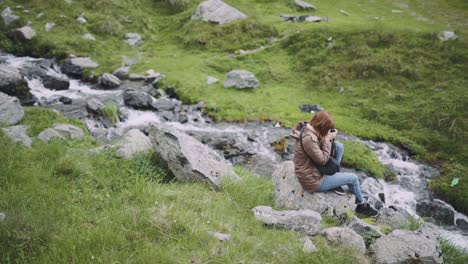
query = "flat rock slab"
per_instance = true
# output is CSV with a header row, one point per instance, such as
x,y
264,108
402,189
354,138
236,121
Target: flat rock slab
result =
x,y
241,79
134,142
188,159
76,66
345,236
304,221
290,194
18,134
11,112
109,81
217,11
403,246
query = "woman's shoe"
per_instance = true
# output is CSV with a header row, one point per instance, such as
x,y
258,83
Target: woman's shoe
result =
x,y
339,191
366,209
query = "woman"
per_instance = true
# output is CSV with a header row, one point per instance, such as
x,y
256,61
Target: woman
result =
x,y
317,139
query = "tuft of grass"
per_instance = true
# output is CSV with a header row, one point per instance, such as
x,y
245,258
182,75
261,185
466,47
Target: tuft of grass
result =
x,y
359,156
452,254
111,112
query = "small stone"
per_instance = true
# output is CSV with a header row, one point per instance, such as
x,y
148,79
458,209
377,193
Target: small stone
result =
x,y
48,134
241,79
49,26
122,72
309,246
220,236
40,15
18,134
8,16
2,217
69,131
81,19
211,80
344,12
25,33
308,108
65,100
447,35
94,106
395,11
133,39
341,91
217,11
88,36
109,81
304,5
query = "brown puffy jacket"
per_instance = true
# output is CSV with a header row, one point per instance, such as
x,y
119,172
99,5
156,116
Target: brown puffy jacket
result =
x,y
306,172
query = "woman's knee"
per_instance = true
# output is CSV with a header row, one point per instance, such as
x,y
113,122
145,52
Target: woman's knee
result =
x,y
339,145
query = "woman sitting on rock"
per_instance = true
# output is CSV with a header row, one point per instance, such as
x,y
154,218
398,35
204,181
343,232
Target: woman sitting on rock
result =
x,y
317,138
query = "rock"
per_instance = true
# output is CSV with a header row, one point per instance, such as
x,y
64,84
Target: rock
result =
x,y
13,84
290,194
8,16
462,222
304,5
309,246
220,236
48,134
341,91
49,26
55,81
345,236
308,18
391,217
88,36
310,108
164,104
25,33
304,221
94,106
76,66
402,246
18,134
81,19
344,12
133,39
447,35
217,11
365,230
65,100
109,81
188,159
211,80
241,79
69,131
11,112
153,77
438,210
137,99
429,230
133,142
99,134
40,15
136,77
122,72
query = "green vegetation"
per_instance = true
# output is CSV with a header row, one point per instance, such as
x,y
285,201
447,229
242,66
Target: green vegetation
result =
x,y
359,156
111,113
452,255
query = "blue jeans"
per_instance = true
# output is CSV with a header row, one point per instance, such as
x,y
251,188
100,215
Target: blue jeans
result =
x,y
342,178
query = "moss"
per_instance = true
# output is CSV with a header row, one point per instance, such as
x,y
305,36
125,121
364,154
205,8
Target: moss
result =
x,y
359,156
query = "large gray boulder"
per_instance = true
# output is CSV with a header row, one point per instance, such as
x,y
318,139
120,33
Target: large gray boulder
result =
x,y
13,84
164,104
290,194
48,134
304,5
187,158
438,210
122,72
69,131
109,81
133,39
56,81
23,34
18,135
137,99
217,11
11,112
304,221
8,16
241,79
94,106
402,246
76,66
345,236
365,230
133,142
392,217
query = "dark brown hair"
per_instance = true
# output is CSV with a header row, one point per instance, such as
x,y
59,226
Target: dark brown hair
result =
x,y
322,123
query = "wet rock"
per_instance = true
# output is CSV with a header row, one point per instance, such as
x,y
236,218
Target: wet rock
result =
x,y
164,104
462,222
304,5
345,236
392,218
136,77
447,35
133,142
137,99
18,135
89,36
8,16
133,39
304,221
76,66
11,112
241,79
402,246
290,194
308,246
69,131
109,81
310,108
49,26
217,11
122,72
23,34
211,80
55,81
94,106
65,100
365,230
438,210
48,134
220,236
187,158
13,84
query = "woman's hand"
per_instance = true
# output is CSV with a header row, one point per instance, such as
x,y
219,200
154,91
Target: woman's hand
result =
x,y
332,134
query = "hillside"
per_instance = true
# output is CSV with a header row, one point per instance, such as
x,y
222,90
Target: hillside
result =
x,y
385,76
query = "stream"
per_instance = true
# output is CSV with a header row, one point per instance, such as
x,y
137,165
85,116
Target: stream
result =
x,y
244,144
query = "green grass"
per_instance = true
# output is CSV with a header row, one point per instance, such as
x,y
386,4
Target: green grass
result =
x,y
359,156
452,255
111,113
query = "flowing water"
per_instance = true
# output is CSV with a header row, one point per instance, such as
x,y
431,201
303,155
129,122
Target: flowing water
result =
x,y
254,140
